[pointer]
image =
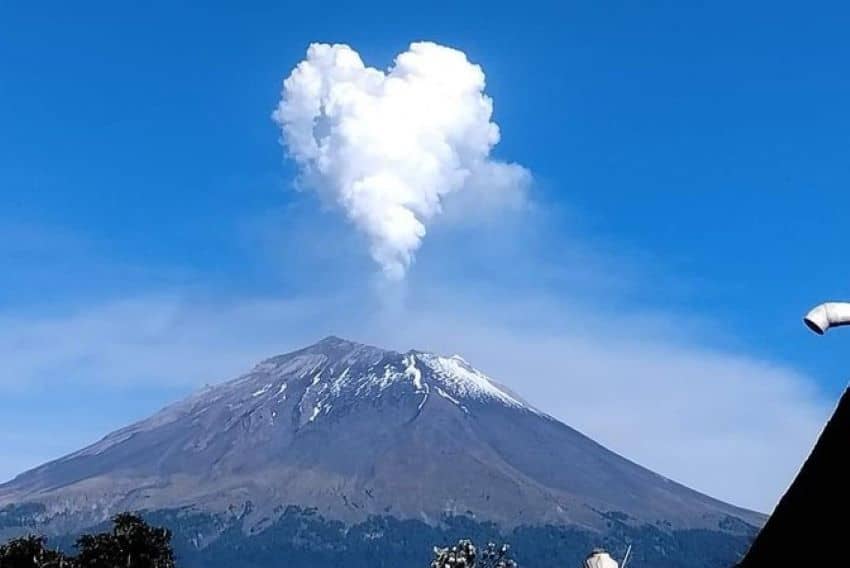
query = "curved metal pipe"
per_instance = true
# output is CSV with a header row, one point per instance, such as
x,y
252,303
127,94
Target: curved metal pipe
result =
x,y
828,315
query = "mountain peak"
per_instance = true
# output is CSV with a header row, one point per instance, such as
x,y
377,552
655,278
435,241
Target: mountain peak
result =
x,y
335,340
334,344
331,349
336,369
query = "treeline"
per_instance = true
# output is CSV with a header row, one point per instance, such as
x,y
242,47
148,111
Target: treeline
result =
x,y
132,543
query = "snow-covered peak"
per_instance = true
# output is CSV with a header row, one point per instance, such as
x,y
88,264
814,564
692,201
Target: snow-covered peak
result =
x,y
335,372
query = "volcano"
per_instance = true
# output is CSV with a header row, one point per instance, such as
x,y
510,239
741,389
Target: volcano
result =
x,y
353,432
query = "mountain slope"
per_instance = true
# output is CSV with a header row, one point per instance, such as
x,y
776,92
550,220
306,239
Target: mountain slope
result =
x,y
354,431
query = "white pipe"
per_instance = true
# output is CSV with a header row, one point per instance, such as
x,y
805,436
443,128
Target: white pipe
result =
x,y
828,315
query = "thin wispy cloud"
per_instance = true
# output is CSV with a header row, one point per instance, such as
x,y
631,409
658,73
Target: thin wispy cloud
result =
x,y
726,423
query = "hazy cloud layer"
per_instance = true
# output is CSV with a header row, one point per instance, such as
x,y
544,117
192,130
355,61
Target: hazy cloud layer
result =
x,y
388,147
725,423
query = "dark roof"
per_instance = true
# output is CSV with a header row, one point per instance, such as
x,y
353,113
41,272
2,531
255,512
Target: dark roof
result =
x,y
809,518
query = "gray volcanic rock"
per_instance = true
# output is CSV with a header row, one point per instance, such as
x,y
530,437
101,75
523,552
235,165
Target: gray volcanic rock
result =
x,y
355,431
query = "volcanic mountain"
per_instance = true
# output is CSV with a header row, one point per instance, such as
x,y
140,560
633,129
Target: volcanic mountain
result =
x,y
352,432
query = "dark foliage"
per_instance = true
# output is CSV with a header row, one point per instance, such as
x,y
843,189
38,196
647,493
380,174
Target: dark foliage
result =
x,y
31,552
132,543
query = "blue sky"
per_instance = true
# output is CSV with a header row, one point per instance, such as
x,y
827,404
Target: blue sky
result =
x,y
690,166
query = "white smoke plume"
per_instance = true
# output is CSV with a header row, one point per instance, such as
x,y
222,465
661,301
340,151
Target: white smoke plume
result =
x,y
388,147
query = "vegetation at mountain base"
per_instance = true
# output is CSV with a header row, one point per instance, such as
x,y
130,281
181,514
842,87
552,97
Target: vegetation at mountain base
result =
x,y
302,537
31,551
132,543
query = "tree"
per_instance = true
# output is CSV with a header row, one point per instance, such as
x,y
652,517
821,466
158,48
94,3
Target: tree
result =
x,y
31,552
465,555
131,544
496,557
